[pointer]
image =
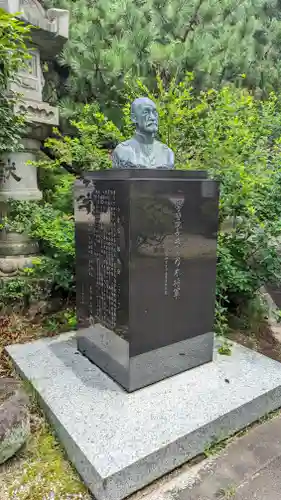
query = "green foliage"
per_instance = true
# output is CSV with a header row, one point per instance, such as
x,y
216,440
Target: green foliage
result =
x,y
17,289
216,446
250,316
58,189
87,151
64,320
12,125
53,228
237,140
13,38
13,54
217,40
55,232
21,291
225,349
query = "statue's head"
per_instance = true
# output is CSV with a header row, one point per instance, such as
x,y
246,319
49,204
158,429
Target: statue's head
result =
x,y
144,115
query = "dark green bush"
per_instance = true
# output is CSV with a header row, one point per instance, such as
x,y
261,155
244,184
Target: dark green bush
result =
x,y
228,133
13,54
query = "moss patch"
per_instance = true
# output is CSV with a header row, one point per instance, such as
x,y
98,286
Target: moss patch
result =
x,y
41,472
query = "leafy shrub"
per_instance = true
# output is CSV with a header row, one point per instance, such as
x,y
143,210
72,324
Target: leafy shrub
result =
x,y
228,133
13,54
55,269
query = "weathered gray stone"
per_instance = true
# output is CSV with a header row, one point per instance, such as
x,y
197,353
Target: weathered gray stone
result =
x,y
14,418
120,442
39,113
18,178
21,182
51,26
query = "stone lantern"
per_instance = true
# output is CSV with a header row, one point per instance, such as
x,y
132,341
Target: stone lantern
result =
x,y
18,178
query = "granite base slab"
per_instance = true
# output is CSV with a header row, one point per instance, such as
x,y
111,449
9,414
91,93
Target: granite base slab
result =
x,y
121,442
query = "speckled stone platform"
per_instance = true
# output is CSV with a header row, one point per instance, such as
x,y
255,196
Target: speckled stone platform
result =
x,y
120,442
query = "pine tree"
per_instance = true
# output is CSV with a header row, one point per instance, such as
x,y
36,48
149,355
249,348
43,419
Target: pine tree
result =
x,y
220,40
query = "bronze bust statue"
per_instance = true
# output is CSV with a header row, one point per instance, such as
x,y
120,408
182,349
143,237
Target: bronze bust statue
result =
x,y
143,150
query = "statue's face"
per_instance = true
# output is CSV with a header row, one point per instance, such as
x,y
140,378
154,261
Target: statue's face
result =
x,y
146,117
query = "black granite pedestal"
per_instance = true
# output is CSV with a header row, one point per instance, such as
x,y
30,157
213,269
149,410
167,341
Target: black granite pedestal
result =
x,y
146,272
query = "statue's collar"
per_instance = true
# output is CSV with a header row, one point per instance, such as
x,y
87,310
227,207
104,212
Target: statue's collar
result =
x,y
144,139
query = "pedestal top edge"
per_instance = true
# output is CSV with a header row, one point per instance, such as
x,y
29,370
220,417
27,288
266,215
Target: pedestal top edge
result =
x,y
145,174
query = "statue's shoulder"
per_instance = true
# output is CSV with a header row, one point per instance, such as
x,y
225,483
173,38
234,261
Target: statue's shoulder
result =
x,y
122,154
124,145
165,153
124,149
163,146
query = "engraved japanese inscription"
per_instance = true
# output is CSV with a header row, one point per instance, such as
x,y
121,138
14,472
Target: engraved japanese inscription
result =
x,y
103,260
8,170
177,203
106,236
91,270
